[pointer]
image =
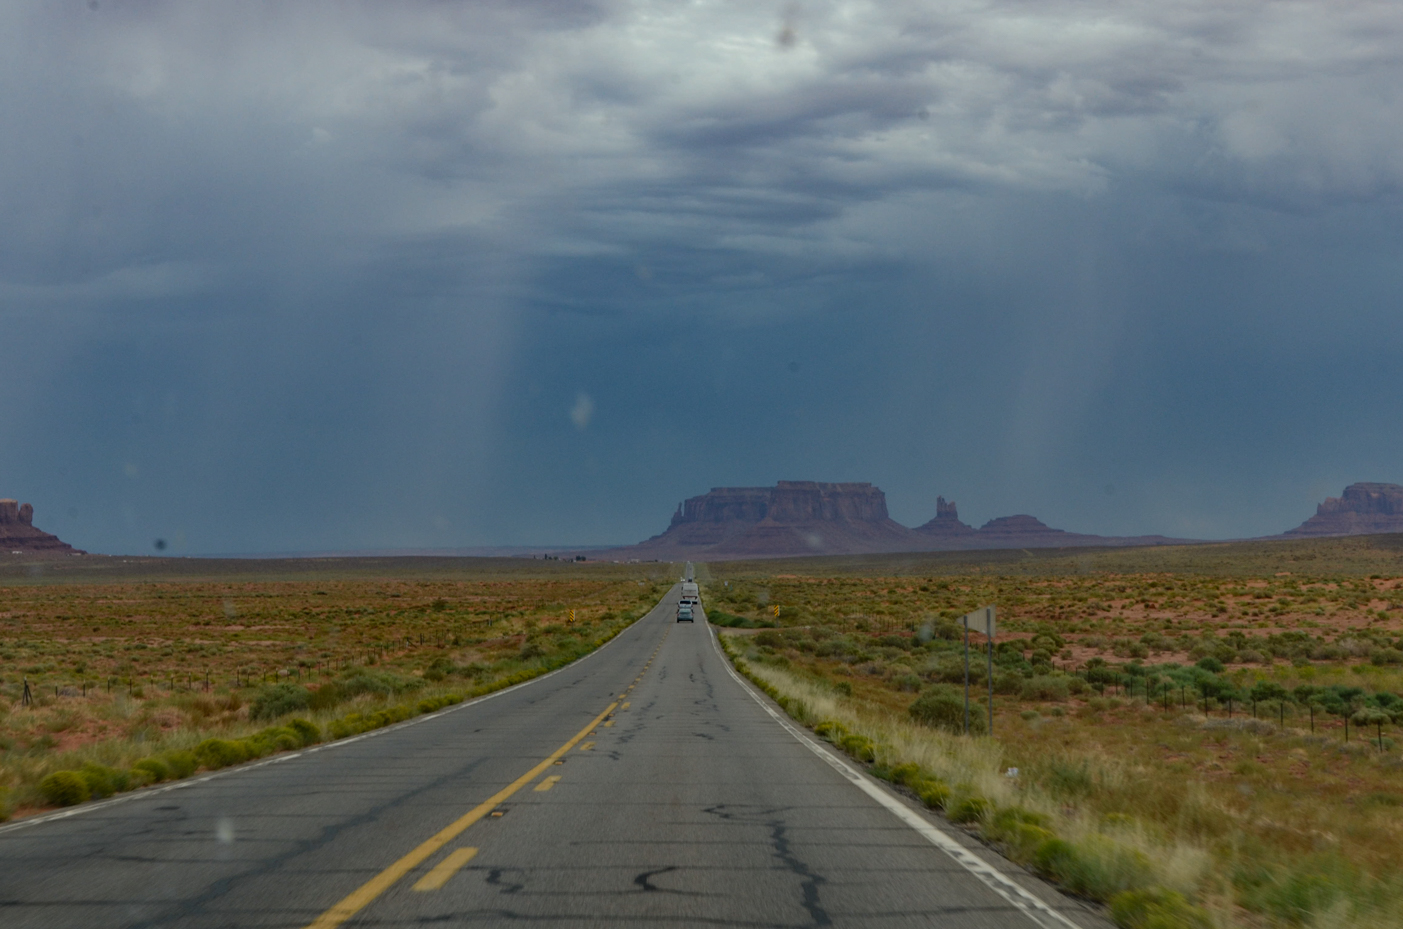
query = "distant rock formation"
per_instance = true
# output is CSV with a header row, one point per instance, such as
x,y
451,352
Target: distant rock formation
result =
x,y
810,518
946,523
791,518
17,532
1363,509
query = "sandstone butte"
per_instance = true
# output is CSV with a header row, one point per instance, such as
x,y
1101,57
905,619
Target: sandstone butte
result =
x,y
811,518
1363,509
17,532
814,518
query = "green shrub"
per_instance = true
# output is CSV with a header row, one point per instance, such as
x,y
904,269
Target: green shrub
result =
x,y
182,764
1008,682
154,769
1022,831
943,708
968,810
347,725
1096,867
307,731
1024,839
831,730
273,739
904,773
1156,908
220,753
1055,857
103,781
5,808
1312,886
907,682
769,639
1046,688
1067,779
65,788
279,700
933,792
860,747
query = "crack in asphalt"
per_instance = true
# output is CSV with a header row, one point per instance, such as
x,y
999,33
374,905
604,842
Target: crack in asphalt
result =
x,y
643,880
494,878
782,850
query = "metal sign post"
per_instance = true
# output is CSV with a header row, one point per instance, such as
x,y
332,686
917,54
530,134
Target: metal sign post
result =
x,y
965,620
984,616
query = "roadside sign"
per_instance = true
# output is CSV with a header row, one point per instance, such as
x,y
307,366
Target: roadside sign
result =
x,y
981,620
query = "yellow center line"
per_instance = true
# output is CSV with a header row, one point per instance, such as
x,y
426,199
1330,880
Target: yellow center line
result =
x,y
586,746
608,723
547,783
445,869
362,896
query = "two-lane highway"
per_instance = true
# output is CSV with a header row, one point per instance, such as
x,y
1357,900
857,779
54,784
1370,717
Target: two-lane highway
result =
x,y
643,785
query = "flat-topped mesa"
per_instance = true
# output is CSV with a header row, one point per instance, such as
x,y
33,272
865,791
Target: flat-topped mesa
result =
x,y
946,521
1363,509
786,502
809,501
792,517
17,532
1020,525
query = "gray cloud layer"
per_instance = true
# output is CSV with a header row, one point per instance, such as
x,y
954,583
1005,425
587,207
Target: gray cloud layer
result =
x,y
327,276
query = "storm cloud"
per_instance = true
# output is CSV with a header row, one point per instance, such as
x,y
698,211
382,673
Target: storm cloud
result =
x,y
333,276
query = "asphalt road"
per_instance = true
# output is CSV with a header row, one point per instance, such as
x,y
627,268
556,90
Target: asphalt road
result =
x,y
644,785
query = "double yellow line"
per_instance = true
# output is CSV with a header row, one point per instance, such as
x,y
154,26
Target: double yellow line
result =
x,y
362,896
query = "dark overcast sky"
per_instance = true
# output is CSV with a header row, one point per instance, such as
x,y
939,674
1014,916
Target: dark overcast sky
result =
x,y
338,276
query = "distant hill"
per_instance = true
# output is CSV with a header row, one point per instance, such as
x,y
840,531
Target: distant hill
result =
x,y
1363,509
17,532
796,518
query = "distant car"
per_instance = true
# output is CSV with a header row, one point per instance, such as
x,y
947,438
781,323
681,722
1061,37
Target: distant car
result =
x,y
684,613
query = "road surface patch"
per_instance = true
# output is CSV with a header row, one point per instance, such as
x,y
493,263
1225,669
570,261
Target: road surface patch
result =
x,y
362,896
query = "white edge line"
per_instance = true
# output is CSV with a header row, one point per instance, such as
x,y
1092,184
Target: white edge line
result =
x,y
141,793
1035,909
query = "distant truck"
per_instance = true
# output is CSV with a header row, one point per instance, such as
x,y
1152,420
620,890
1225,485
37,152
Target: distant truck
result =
x,y
691,596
